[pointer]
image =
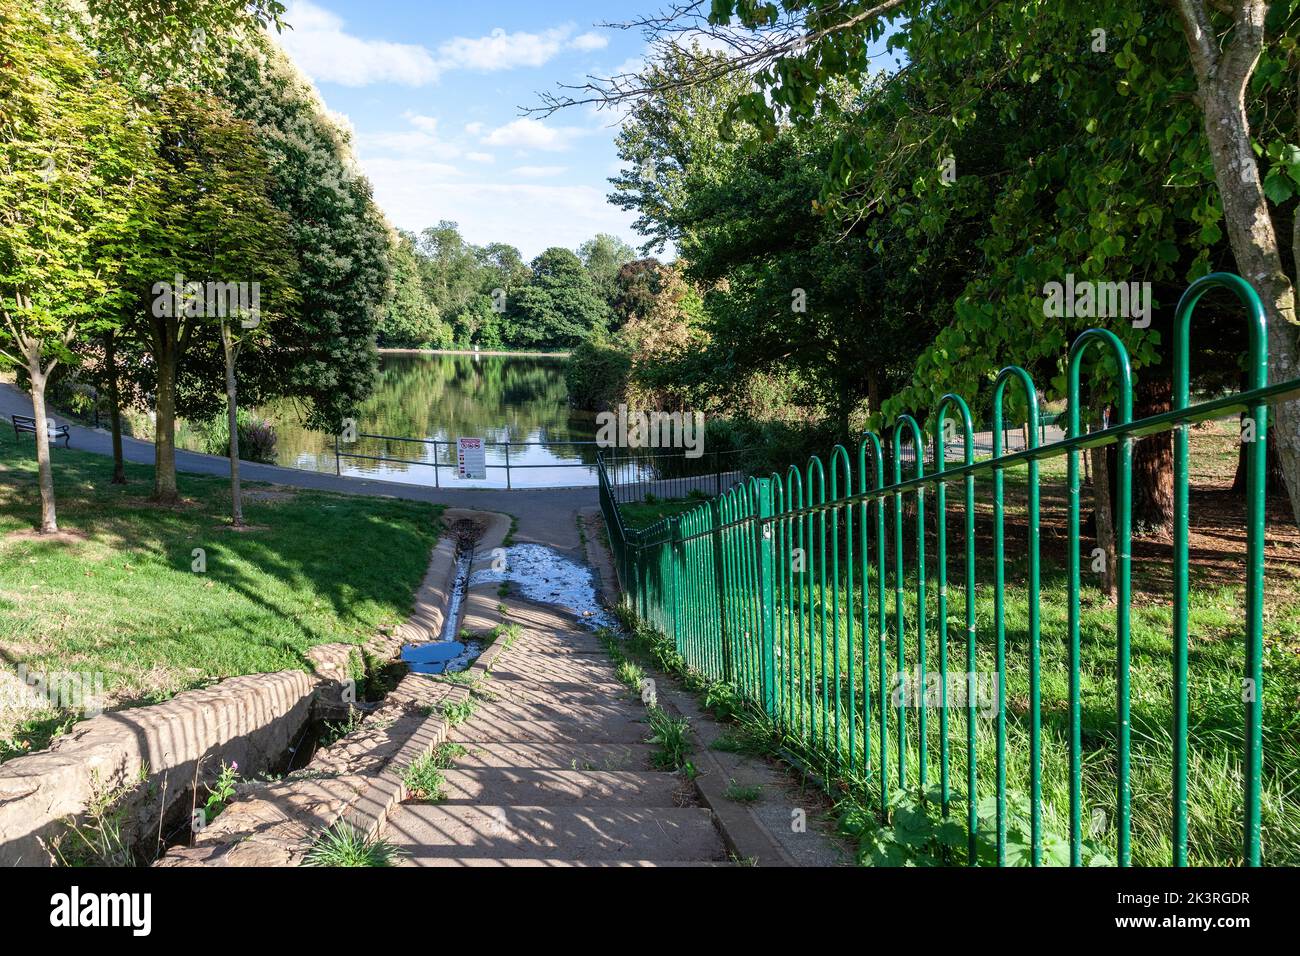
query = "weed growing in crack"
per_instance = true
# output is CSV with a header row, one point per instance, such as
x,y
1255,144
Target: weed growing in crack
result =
x,y
345,845
629,674
424,779
457,713
94,838
222,789
672,736
743,794
335,730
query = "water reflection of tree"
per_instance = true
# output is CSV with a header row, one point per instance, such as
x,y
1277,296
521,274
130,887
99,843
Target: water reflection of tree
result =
x,y
445,397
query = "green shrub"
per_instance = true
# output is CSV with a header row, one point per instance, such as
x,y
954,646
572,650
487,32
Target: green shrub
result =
x,y
256,437
596,376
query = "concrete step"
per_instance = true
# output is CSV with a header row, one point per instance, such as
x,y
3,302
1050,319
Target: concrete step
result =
x,y
521,786
550,671
533,693
506,709
475,862
536,650
558,756
489,729
569,644
549,685
437,832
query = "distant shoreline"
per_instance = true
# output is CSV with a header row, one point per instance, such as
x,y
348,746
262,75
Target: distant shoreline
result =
x,y
473,352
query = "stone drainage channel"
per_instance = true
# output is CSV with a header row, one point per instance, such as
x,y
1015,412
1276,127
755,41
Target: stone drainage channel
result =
x,y
541,575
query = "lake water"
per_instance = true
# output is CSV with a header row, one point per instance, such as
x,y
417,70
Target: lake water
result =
x,y
522,401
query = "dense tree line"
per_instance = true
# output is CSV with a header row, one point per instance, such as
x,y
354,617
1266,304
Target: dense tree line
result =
x,y
449,292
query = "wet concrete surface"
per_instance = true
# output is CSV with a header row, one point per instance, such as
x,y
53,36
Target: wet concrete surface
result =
x,y
547,576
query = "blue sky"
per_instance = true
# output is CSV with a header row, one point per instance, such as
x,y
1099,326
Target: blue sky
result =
x,y
432,91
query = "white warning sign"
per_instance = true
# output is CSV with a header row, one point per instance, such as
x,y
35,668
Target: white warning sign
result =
x,y
471,459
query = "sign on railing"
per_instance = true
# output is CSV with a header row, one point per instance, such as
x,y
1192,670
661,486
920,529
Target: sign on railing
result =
x,y
471,459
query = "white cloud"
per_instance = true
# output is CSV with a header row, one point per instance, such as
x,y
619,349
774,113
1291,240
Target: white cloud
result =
x,y
539,172
406,143
531,216
422,140
326,53
533,134
480,157
428,124
586,42
323,49
502,51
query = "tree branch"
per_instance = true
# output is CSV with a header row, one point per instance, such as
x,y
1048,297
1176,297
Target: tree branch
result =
x,y
753,52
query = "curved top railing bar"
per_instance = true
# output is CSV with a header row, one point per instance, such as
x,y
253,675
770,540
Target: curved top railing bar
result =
x,y
1107,338
1257,371
878,455
948,401
1005,377
818,490
840,453
1257,329
918,443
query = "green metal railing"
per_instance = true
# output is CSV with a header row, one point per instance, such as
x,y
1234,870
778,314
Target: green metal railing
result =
x,y
781,588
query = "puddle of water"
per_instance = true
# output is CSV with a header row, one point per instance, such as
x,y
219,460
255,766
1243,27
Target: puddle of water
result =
x,y
545,576
440,657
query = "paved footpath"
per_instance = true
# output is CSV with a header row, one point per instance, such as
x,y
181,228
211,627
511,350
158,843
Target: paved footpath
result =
x,y
556,766
557,769
546,515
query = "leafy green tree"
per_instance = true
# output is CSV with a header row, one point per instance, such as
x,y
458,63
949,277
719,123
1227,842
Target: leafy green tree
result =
x,y
638,282
210,222
451,270
502,268
673,129
603,256
324,354
152,44
480,323
560,306
1197,87
409,319
70,146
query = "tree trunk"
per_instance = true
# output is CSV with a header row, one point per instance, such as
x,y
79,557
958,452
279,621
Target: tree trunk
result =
x,y
1153,457
229,348
1222,78
49,521
1103,511
114,407
873,391
1274,484
164,445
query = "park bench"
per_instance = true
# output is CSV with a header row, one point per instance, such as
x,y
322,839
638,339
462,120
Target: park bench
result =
x,y
26,423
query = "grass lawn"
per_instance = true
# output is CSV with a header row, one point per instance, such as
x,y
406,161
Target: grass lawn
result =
x,y
115,593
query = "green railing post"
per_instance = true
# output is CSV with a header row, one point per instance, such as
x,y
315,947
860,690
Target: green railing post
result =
x,y
728,672
764,546
1257,371
675,564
